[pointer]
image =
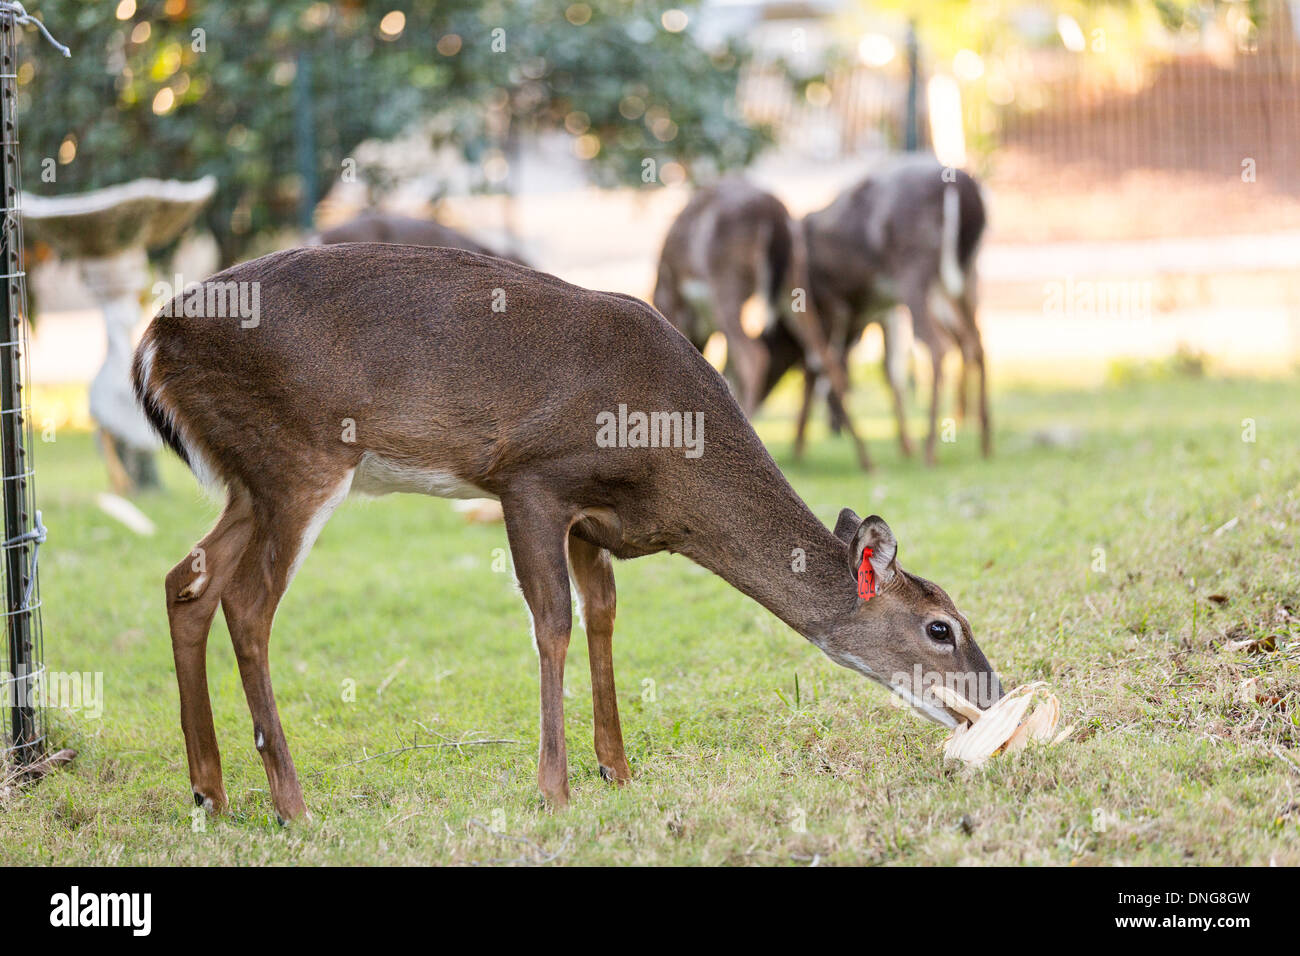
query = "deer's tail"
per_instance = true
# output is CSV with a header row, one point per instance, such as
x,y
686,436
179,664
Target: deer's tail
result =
x,y
162,413
951,273
151,402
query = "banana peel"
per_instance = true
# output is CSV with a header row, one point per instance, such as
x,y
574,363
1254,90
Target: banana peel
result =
x,y
1007,726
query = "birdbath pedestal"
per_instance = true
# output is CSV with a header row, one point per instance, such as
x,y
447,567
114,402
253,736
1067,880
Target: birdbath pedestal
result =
x,y
109,231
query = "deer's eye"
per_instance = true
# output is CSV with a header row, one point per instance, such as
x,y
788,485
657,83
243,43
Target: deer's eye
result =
x,y
939,631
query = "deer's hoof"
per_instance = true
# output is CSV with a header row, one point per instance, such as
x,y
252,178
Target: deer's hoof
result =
x,y
556,799
302,816
215,805
619,776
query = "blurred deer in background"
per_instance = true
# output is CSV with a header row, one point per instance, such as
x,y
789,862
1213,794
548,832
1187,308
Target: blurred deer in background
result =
x,y
405,230
907,234
733,241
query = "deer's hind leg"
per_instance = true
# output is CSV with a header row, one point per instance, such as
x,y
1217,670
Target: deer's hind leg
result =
x,y
805,408
937,340
747,356
285,527
972,347
898,350
194,590
592,572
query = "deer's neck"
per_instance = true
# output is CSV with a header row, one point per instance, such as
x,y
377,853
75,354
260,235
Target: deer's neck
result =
x,y
760,537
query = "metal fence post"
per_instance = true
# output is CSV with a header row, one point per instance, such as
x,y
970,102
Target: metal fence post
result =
x,y
23,531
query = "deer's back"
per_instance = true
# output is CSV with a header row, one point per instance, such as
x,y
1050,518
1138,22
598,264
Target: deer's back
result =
x,y
421,356
723,225
886,225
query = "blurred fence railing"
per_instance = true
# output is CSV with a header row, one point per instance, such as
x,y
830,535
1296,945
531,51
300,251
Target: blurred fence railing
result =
x,y
852,110
1190,114
1191,119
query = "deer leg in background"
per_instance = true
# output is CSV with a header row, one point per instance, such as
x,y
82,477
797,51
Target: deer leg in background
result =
x,y
593,575
898,351
961,392
838,314
194,589
836,409
972,347
836,413
806,326
537,528
801,423
947,310
936,340
747,357
943,312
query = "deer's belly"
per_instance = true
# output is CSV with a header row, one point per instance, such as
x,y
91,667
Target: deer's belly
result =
x,y
376,475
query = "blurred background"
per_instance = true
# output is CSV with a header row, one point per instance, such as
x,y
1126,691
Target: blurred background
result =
x,y
1139,156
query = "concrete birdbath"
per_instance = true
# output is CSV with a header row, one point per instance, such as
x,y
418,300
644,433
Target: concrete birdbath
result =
x,y
109,230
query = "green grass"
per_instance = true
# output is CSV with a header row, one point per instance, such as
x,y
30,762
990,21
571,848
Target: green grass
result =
x,y
732,764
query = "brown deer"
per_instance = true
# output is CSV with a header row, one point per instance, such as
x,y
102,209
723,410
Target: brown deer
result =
x,y
376,368
909,233
730,242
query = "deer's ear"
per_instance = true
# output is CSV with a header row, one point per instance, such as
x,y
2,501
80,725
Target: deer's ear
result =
x,y
847,525
873,533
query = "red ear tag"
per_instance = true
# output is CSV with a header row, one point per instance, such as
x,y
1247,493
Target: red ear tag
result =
x,y
866,577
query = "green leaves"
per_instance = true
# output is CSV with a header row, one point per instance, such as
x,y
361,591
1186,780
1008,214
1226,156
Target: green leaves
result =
x,y
187,87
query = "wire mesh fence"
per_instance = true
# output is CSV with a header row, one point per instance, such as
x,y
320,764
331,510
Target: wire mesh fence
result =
x,y
22,713
1190,115
1192,140
852,110
1183,121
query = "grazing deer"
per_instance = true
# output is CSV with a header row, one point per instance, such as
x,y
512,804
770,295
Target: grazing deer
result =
x,y
405,230
732,241
379,368
907,234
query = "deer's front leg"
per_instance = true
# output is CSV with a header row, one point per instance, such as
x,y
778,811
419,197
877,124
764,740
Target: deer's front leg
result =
x,y
537,529
801,423
806,327
897,352
927,329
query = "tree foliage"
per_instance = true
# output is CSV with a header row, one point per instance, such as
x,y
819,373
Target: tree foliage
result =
x,y
272,96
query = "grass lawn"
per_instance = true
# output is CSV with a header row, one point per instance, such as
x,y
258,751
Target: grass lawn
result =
x,y
747,744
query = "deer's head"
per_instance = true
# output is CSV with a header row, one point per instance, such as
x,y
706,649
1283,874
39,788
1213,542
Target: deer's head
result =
x,y
908,635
